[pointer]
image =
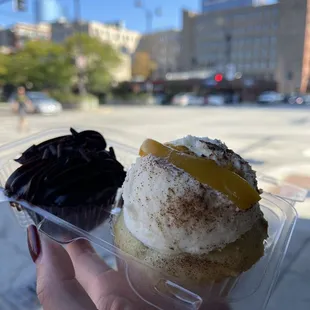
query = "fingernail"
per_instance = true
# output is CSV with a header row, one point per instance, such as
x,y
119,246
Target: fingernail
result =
x,y
34,243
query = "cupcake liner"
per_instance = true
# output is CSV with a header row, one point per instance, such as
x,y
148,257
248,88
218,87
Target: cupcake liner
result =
x,y
83,217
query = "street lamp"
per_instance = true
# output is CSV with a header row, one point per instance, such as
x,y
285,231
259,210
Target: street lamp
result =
x,y
80,61
149,14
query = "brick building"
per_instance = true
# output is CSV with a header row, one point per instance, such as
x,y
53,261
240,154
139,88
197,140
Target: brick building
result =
x,y
270,42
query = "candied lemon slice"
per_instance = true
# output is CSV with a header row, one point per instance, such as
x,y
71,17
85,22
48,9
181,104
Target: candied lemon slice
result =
x,y
206,171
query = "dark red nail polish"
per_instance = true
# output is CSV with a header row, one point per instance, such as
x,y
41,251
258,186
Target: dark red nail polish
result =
x,y
34,243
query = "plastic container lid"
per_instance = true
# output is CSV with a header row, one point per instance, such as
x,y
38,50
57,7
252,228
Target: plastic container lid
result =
x,y
158,290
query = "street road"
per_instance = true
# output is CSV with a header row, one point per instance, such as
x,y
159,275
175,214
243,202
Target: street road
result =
x,y
274,140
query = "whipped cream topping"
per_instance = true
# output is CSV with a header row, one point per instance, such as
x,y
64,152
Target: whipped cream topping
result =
x,y
170,211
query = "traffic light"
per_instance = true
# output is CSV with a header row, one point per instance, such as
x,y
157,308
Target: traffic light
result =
x,y
218,78
20,5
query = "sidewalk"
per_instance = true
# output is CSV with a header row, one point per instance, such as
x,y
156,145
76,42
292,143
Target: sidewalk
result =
x,y
17,288
292,288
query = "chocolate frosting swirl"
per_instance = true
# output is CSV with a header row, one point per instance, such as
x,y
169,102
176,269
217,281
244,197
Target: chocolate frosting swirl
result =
x,y
67,171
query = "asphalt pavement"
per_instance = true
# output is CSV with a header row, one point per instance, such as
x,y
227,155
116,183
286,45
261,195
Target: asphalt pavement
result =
x,y
275,140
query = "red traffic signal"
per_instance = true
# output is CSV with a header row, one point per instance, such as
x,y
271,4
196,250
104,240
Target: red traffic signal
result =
x,y
218,77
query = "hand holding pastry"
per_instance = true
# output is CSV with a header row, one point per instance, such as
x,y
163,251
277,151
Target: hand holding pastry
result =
x,y
77,278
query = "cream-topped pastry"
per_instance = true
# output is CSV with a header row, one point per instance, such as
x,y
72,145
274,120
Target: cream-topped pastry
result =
x,y
168,210
192,198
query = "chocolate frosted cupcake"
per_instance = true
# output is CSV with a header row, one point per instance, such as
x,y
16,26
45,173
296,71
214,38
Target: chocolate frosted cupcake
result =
x,y
73,177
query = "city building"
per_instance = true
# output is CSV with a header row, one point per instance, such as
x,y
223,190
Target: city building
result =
x,y
48,10
164,49
16,36
116,34
270,42
125,41
220,5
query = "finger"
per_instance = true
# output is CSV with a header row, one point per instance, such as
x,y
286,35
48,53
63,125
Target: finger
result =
x,y
101,283
57,287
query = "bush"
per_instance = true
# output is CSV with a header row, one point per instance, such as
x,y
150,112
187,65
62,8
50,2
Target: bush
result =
x,y
71,98
131,96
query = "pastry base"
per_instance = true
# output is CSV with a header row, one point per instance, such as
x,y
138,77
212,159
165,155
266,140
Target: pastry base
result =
x,y
215,266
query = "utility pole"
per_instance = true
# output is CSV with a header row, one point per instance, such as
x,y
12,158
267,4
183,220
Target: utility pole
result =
x,y
224,26
79,57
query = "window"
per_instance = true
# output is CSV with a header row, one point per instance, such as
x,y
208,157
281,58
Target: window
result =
x,y
264,52
272,64
273,40
241,43
275,12
264,40
247,66
248,54
255,65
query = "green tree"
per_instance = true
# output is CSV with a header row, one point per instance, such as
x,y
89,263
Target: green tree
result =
x,y
44,64
100,60
4,64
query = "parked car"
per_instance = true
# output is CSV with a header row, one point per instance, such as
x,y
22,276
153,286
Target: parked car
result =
x,y
184,99
163,99
270,97
299,99
42,103
306,99
216,100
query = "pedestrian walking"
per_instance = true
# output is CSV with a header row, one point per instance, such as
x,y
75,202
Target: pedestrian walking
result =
x,y
22,105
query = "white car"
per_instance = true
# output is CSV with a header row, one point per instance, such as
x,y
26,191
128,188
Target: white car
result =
x,y
216,100
270,97
184,99
43,104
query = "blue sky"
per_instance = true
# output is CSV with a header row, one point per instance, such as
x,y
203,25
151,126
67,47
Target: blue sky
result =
x,y
111,10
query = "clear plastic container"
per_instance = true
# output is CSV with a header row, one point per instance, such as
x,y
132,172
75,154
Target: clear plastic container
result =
x,y
251,290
